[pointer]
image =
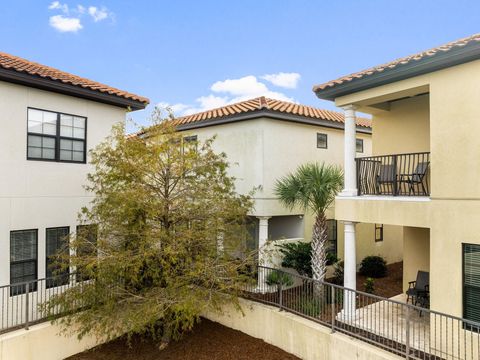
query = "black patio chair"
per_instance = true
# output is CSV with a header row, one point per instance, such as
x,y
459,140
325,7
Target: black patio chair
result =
x,y
418,290
416,178
386,177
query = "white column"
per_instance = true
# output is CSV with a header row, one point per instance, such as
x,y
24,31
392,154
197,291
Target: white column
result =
x,y
262,254
349,167
350,271
262,239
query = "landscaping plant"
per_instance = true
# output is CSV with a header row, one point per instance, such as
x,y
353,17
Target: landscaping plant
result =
x,y
170,234
373,266
297,256
369,285
312,187
279,278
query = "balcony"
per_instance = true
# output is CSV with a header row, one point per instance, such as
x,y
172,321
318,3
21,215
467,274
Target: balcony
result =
x,y
394,175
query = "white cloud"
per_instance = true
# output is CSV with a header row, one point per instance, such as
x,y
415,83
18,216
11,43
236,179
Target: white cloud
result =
x,y
98,14
281,79
57,5
81,9
227,92
65,24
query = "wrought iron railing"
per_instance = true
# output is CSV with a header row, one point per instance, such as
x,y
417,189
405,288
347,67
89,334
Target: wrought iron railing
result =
x,y
396,175
20,302
406,330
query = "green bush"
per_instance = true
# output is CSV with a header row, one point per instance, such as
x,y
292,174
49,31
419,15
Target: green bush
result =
x,y
331,258
279,278
297,256
338,271
373,266
309,305
369,285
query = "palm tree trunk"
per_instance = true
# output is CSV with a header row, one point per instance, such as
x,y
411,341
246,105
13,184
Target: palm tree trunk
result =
x,y
319,247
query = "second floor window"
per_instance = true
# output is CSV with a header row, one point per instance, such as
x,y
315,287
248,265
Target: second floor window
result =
x,y
359,144
55,136
321,141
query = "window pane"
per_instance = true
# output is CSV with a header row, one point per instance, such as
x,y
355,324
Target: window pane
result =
x,y
78,156
66,144
34,140
35,126
79,122
49,129
78,133
35,152
66,120
65,155
66,131
48,154
50,117
48,143
35,115
78,145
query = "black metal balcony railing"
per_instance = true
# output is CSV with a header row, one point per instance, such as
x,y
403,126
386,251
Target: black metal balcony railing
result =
x,y
395,175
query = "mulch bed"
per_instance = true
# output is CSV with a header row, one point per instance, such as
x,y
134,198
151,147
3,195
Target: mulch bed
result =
x,y
207,341
387,286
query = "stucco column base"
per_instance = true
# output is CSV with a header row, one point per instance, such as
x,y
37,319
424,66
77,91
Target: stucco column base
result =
x,y
347,316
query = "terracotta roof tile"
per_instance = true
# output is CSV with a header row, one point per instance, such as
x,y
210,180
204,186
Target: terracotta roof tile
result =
x,y
402,61
263,103
19,64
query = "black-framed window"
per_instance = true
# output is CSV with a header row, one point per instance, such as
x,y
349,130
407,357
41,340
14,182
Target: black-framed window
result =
x,y
23,260
56,244
332,236
87,247
378,232
190,142
322,141
359,145
54,136
471,282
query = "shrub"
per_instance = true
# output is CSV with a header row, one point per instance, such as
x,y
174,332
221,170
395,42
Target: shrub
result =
x,y
309,305
373,266
331,258
297,256
369,285
279,278
338,273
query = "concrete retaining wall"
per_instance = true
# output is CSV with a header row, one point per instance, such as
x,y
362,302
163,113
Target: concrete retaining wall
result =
x,y
296,335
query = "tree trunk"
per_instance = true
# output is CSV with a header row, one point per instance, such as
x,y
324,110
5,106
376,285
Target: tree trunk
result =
x,y
319,247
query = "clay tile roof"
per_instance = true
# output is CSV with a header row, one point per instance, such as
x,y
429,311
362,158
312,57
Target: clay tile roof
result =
x,y
18,64
402,61
263,103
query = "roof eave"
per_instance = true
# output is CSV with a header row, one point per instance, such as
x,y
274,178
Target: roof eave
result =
x,y
39,82
441,60
269,114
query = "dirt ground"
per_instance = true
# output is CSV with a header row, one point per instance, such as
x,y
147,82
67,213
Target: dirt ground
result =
x,y
207,341
388,286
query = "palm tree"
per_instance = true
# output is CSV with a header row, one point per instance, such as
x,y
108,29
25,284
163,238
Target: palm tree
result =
x,y
312,187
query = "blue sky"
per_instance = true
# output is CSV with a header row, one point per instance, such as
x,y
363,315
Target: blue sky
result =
x,y
197,54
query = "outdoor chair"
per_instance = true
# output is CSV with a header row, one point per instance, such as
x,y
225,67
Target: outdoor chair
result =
x,y
416,178
386,177
418,291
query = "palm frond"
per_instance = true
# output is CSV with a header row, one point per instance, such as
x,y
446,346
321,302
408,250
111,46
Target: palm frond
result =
x,y
312,186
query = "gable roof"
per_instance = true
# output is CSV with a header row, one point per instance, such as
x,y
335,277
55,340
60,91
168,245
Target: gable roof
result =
x,y
450,54
266,106
18,70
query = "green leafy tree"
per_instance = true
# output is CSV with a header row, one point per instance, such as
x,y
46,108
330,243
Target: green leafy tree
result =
x,y
313,187
170,238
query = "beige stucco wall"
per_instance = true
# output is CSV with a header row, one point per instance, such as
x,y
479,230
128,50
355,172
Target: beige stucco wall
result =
x,y
42,342
416,249
41,194
263,150
296,335
454,207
